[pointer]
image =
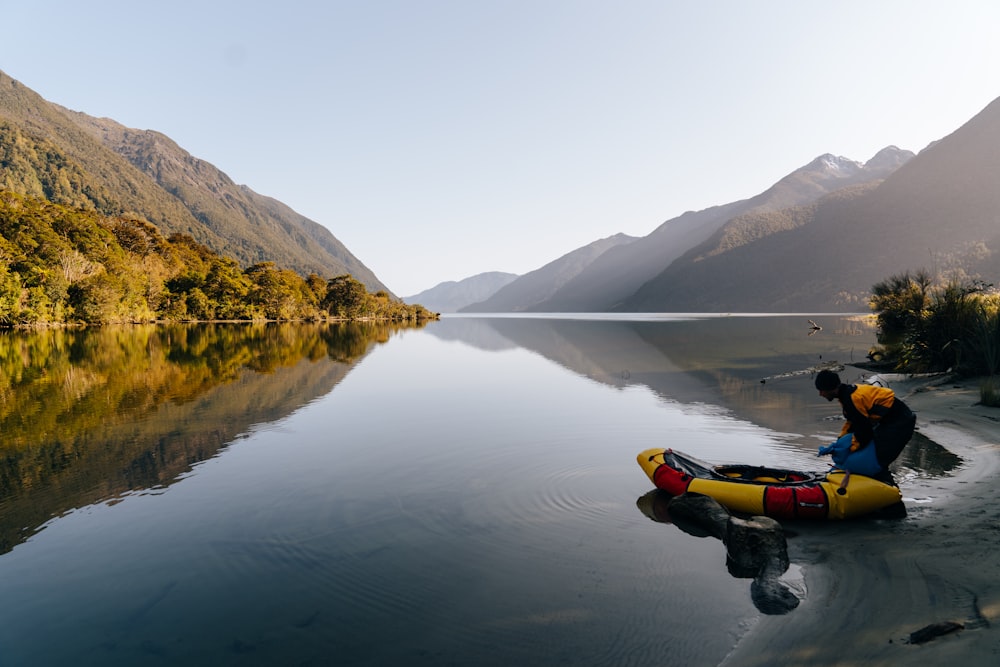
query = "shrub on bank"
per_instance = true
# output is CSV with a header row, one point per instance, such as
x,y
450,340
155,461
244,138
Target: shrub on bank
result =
x,y
927,326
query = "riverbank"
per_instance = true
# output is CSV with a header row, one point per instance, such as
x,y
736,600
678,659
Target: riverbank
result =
x,y
870,584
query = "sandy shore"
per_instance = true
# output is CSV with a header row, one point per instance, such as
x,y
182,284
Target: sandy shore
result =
x,y
870,583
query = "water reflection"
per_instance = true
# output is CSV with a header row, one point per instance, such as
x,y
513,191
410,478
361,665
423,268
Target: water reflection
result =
x,y
482,501
927,457
711,360
88,415
717,360
755,548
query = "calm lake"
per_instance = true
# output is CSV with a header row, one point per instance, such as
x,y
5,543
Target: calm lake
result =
x,y
465,493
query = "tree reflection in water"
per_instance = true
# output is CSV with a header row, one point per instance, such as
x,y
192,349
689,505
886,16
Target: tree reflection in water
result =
x,y
90,414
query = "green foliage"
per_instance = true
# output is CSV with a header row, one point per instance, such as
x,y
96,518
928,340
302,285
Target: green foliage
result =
x,y
989,392
10,296
926,326
900,302
38,168
95,300
986,333
281,294
63,265
750,227
345,297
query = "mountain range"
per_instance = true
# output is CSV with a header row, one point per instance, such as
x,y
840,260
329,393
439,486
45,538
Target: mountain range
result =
x,y
449,296
98,164
815,241
613,276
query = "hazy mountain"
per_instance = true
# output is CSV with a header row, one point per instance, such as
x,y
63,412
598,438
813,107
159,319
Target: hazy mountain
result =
x,y
95,163
452,296
939,212
537,286
616,275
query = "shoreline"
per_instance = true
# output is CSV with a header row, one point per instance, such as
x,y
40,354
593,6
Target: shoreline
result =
x,y
871,583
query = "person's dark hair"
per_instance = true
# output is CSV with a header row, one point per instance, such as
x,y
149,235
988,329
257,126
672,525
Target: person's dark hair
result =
x,y
826,380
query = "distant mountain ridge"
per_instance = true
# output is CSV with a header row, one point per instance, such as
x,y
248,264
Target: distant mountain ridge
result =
x,y
452,296
939,212
816,241
96,163
610,279
539,285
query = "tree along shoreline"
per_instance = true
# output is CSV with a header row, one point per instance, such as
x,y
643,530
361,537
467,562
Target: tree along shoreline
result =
x,y
939,324
61,266
39,326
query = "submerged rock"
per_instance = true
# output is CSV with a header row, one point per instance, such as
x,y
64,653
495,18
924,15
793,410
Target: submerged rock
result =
x,y
699,515
755,547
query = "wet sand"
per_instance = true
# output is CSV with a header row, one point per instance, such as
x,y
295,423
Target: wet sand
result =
x,y
870,584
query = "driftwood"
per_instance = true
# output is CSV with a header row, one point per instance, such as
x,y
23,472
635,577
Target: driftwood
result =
x,y
933,631
834,366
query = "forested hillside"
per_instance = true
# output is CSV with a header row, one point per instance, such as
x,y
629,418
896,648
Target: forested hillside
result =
x,y
66,265
97,164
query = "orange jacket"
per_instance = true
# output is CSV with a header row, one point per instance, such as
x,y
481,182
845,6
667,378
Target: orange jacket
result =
x,y
865,407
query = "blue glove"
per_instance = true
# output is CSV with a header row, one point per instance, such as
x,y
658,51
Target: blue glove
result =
x,y
823,451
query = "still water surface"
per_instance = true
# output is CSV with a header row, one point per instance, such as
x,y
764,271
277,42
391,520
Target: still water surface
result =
x,y
465,493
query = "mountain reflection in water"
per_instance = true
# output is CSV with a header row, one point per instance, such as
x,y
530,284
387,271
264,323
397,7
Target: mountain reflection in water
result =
x,y
708,359
91,414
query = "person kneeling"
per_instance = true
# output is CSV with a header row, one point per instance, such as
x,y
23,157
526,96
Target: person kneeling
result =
x,y
875,416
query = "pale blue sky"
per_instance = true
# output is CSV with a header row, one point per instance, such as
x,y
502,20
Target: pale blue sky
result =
x,y
442,138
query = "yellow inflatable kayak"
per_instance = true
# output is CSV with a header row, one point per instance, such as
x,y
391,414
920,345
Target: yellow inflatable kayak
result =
x,y
758,490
